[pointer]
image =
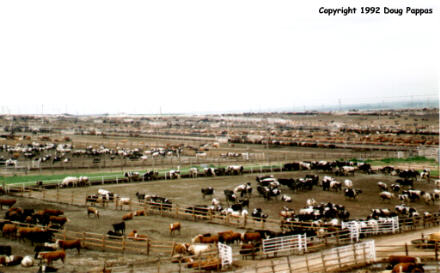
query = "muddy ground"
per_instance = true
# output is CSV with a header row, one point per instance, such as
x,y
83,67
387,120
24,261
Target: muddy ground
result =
x,y
187,192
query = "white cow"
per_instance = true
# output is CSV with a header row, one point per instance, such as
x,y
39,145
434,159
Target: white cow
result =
x,y
69,181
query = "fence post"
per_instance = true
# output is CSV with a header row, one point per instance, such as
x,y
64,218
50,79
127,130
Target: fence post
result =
x,y
307,263
72,199
436,250
323,261
58,195
354,254
273,266
406,249
288,264
84,239
44,194
339,257
123,243
158,265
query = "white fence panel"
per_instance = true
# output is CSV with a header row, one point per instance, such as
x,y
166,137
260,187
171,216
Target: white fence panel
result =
x,y
225,254
286,243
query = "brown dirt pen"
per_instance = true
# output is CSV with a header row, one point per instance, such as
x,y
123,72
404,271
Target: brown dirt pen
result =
x,y
187,191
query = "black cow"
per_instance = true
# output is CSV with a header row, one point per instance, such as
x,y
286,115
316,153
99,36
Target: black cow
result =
x,y
352,193
6,250
119,227
207,191
112,233
230,196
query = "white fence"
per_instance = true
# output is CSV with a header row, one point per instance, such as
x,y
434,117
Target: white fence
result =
x,y
225,254
286,243
371,227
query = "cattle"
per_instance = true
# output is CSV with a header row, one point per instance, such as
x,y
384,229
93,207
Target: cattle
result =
x,y
382,186
207,265
230,196
44,248
53,212
251,237
121,201
140,197
207,191
403,197
193,172
69,181
211,239
181,248
352,193
243,189
52,256
335,185
6,250
326,183
385,195
395,187
119,227
112,234
229,237
127,216
83,181
414,195
428,198
347,170
405,182
139,213
9,230
7,202
69,244
407,268
436,195
198,249
234,169
60,220
425,174
209,171
258,215
132,176
11,260
94,211
286,198
348,183
249,249
27,261
287,212
175,226
437,183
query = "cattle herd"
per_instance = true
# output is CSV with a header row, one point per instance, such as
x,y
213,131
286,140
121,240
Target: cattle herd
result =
x,y
318,198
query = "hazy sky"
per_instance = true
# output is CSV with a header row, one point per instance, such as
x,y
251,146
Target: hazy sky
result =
x,y
200,56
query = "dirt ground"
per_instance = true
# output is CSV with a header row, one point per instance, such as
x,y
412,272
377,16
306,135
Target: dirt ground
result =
x,y
187,192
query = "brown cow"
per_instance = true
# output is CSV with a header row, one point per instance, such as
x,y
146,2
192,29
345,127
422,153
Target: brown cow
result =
x,y
52,256
7,202
408,267
127,216
69,244
53,212
91,210
9,230
139,213
395,259
251,236
60,220
175,226
229,237
181,248
213,239
207,265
